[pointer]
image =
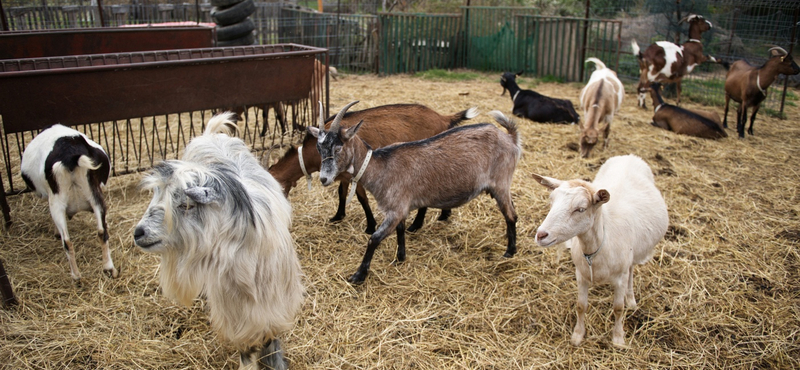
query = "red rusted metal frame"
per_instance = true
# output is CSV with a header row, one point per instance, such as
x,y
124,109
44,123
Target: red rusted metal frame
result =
x,y
105,87
87,89
50,43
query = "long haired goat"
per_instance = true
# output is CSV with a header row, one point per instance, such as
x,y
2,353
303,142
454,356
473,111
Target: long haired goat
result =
x,y
383,125
68,169
221,225
444,171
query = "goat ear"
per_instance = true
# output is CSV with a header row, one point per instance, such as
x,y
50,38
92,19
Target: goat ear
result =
x,y
313,131
520,72
548,182
202,194
602,196
351,131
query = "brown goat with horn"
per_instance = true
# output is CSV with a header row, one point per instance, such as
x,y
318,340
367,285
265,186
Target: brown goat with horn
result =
x,y
747,85
682,121
444,171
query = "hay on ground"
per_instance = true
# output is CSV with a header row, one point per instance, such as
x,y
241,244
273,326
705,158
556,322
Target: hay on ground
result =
x,y
720,292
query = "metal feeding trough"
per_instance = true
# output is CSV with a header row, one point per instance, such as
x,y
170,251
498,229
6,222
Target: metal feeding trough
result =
x,y
92,89
77,41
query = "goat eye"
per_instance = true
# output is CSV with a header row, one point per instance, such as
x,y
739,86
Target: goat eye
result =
x,y
187,206
581,210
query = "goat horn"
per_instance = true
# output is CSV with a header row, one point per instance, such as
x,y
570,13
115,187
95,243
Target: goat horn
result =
x,y
321,119
780,51
338,119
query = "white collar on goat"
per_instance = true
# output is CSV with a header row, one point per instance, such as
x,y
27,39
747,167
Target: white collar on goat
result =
x,y
514,98
758,83
354,183
591,256
695,40
303,166
658,107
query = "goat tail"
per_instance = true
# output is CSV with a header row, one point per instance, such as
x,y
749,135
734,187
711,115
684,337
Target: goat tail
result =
x,y
271,356
463,116
725,64
223,123
88,163
508,124
597,62
635,48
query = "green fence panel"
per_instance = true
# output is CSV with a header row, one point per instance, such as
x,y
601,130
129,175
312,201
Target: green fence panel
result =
x,y
418,42
491,37
558,46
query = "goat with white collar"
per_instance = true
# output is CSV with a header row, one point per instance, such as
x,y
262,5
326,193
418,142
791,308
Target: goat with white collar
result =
x,y
444,171
607,234
537,107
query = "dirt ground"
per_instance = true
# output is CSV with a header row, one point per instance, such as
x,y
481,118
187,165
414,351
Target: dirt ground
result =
x,y
720,292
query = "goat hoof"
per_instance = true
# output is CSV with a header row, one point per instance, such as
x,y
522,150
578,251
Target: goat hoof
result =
x,y
357,278
370,230
336,218
112,273
576,339
618,342
509,254
413,228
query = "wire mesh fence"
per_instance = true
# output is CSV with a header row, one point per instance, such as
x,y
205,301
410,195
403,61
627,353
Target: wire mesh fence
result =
x,y
484,38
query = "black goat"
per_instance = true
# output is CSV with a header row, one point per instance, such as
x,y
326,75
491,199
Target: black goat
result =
x,y
537,107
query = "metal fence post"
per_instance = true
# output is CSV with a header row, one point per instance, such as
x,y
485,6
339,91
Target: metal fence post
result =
x,y
791,48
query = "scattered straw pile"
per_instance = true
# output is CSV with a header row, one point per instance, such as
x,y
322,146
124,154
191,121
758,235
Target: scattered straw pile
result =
x,y
721,291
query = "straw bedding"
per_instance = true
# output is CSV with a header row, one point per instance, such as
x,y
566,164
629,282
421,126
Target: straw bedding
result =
x,y
720,292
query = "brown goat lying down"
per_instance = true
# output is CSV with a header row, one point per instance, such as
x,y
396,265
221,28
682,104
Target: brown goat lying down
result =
x,y
383,125
683,121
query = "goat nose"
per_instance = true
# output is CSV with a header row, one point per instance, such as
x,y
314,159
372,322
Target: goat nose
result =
x,y
138,233
323,180
541,235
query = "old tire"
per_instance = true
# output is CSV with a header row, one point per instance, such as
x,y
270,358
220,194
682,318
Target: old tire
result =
x,y
233,14
235,31
224,3
242,41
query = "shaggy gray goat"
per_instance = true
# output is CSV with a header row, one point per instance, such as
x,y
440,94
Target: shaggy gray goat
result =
x,y
221,225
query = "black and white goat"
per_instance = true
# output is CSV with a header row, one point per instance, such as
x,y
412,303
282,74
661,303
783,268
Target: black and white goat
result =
x,y
221,225
68,169
444,171
537,107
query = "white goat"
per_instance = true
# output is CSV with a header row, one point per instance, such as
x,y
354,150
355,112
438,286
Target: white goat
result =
x,y
606,241
68,169
600,99
221,225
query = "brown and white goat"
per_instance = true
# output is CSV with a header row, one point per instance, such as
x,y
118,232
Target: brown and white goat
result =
x,y
610,225
383,125
702,124
444,171
600,100
667,62
748,85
